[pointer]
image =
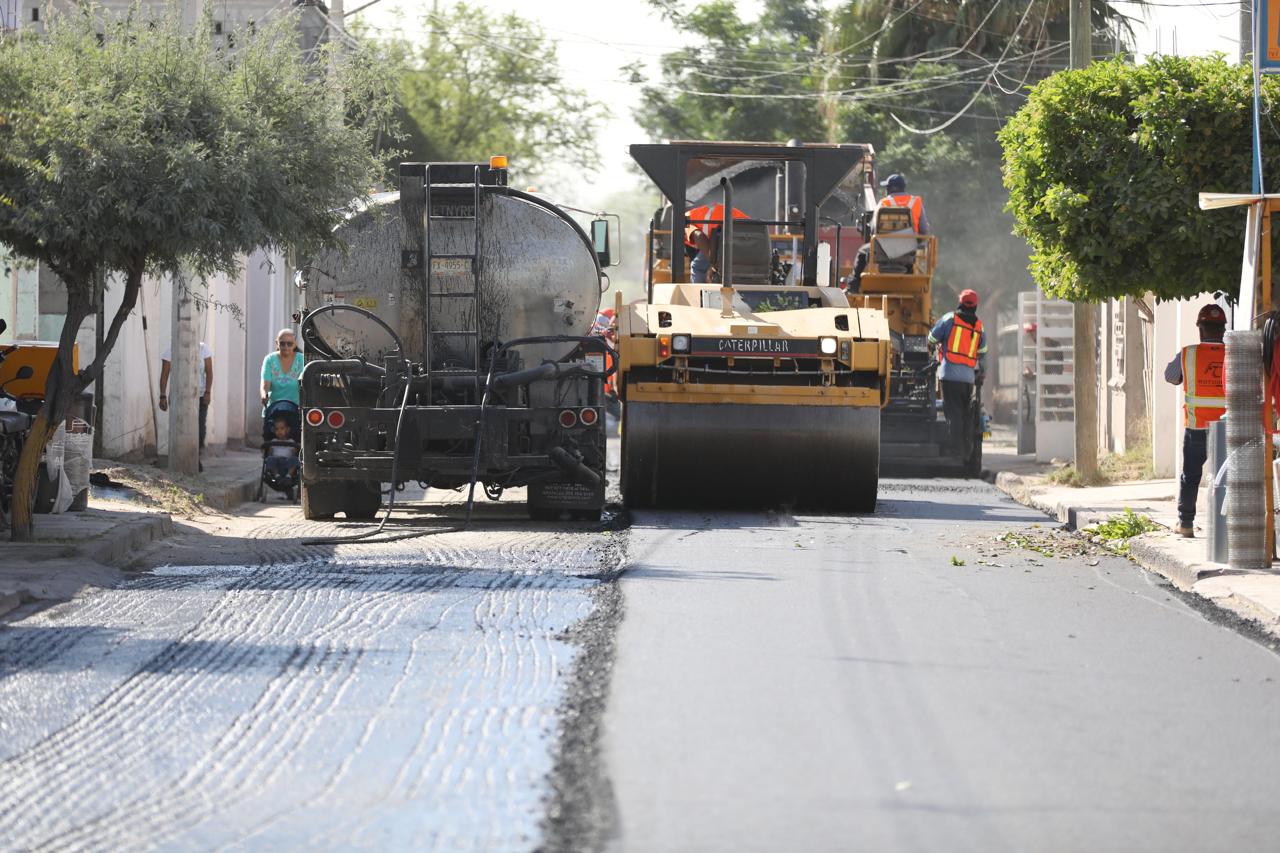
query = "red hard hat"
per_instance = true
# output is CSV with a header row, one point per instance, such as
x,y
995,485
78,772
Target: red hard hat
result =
x,y
968,299
1211,315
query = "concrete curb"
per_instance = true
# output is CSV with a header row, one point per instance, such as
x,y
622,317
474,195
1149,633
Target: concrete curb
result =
x,y
1180,561
99,555
1021,489
228,497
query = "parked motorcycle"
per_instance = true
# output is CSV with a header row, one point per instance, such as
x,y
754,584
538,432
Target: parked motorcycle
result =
x,y
15,426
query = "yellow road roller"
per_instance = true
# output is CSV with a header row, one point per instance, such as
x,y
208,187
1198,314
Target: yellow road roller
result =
x,y
746,377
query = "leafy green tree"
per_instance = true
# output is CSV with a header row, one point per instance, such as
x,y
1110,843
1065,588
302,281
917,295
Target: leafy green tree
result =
x,y
146,150
480,85
1104,165
860,71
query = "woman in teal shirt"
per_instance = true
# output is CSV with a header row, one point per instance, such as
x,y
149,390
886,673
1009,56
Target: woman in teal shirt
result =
x,y
281,370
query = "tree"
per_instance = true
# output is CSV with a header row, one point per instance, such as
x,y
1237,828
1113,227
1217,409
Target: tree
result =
x,y
145,150
861,71
480,85
1104,165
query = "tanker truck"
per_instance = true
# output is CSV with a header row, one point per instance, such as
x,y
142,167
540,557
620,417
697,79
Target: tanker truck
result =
x,y
450,345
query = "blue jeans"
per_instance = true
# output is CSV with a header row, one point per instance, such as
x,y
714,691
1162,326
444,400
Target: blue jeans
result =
x,y
282,466
699,267
1195,450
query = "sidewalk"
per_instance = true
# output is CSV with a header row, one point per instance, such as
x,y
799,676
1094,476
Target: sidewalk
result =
x,y
76,550
1184,562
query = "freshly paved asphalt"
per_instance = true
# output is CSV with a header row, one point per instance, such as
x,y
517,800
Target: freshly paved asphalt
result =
x,y
811,683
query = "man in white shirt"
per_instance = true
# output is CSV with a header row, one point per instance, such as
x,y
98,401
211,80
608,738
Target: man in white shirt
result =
x,y
205,388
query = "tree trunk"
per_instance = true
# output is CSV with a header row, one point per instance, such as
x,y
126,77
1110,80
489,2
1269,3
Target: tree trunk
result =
x,y
62,388
1085,370
60,391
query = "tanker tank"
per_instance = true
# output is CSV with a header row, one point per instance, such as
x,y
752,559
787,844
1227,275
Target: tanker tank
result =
x,y
449,343
537,276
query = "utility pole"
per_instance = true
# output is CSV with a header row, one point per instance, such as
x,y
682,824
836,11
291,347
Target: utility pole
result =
x,y
184,405
1085,315
1246,32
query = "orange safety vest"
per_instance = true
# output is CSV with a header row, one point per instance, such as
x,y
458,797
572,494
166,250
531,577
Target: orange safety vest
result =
x,y
914,202
1203,377
963,342
708,218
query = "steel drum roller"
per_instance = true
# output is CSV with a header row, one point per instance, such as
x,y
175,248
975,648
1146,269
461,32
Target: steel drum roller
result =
x,y
727,455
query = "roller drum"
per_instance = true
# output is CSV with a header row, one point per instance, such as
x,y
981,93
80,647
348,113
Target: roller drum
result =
x,y
750,456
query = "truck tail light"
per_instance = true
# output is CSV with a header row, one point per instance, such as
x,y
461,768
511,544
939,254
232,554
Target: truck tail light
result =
x,y
315,417
337,419
588,416
568,418
664,346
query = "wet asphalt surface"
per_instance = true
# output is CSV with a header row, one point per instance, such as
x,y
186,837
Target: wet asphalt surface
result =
x,y
753,681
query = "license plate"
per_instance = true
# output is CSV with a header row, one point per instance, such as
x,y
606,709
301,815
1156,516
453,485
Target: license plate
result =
x,y
755,347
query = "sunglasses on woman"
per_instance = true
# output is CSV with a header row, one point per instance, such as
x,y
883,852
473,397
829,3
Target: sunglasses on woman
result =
x,y
287,343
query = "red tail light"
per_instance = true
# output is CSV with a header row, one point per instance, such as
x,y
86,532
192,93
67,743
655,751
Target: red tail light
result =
x,y
587,416
664,346
315,417
337,419
568,418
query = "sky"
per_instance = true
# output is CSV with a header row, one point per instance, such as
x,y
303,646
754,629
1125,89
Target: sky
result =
x,y
596,40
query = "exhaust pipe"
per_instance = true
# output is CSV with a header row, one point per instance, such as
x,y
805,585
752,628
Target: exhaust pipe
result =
x,y
580,473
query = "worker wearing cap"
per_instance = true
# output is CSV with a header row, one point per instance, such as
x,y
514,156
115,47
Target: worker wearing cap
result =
x,y
962,351
1200,369
896,188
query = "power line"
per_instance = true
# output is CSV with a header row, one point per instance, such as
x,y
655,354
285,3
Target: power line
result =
x,y
944,125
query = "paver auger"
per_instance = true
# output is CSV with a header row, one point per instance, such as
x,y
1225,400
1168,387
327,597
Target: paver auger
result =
x,y
760,386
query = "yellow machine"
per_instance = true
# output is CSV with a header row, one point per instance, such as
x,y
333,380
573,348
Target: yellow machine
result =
x,y
766,389
39,356
898,282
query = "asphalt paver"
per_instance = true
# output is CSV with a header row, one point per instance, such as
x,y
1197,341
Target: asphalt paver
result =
x,y
912,680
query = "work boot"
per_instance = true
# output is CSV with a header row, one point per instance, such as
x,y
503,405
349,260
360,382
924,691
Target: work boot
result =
x,y
1184,530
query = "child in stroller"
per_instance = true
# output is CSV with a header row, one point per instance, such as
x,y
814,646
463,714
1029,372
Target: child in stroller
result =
x,y
280,425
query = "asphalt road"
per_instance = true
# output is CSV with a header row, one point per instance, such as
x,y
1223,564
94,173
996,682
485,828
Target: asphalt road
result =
x,y
256,693
809,683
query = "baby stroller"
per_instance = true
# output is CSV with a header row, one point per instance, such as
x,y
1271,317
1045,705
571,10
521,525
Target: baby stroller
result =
x,y
280,476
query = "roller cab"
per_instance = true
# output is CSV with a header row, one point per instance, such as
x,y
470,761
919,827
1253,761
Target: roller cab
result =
x,y
761,387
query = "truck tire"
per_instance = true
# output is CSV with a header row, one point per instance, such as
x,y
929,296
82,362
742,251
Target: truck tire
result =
x,y
321,500
363,500
543,513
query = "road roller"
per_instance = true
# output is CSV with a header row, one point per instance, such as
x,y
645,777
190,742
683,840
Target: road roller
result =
x,y
746,377
449,344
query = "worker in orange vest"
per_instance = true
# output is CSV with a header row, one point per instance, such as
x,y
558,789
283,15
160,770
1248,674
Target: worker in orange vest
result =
x,y
962,351
896,188
701,232
1200,368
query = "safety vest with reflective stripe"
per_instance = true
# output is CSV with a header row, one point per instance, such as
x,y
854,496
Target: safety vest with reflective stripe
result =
x,y
1204,381
914,202
963,342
